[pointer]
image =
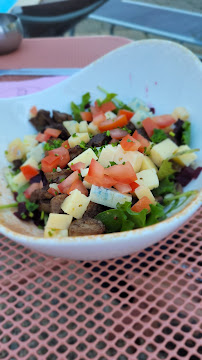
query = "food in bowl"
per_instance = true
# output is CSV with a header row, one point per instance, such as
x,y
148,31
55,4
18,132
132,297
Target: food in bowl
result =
x,y
107,167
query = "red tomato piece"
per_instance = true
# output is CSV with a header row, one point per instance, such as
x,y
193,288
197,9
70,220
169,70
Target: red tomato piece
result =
x,y
29,171
123,188
122,173
62,154
65,144
128,143
32,188
129,114
49,163
78,166
42,137
118,134
95,110
144,142
65,184
119,121
52,132
141,204
149,125
105,181
78,184
99,119
163,121
33,111
109,106
86,116
133,186
52,191
96,169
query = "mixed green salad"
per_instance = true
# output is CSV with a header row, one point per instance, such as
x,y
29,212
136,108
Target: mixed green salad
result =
x,y
106,167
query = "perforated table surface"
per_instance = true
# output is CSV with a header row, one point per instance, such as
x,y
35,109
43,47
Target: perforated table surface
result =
x,y
145,306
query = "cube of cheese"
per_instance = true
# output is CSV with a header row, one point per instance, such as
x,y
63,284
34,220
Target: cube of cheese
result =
x,y
75,204
32,162
139,116
186,159
72,126
93,129
19,180
137,104
30,142
37,153
162,151
77,138
110,115
107,155
87,184
108,197
83,127
59,221
84,172
49,232
149,178
147,163
144,191
16,150
84,157
54,186
180,113
134,157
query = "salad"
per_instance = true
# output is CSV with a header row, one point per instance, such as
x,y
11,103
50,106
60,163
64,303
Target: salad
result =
x,y
106,167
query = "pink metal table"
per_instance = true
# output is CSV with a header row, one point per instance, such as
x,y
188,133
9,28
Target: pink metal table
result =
x,y
145,306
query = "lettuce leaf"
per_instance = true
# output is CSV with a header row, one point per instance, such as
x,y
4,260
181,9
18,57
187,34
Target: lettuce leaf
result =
x,y
166,169
158,136
76,109
166,186
156,214
186,133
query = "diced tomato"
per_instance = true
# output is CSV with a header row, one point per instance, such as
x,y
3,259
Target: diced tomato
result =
x,y
65,184
33,111
105,181
128,143
86,116
133,186
96,169
49,163
29,171
78,166
78,184
144,142
95,110
32,188
123,188
42,137
122,173
118,133
129,114
52,132
65,144
99,119
119,121
163,121
52,191
62,154
141,204
109,106
149,125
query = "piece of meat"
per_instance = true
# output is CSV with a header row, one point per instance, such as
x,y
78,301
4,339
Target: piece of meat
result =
x,y
86,226
42,197
93,209
142,132
131,126
39,177
41,120
64,133
99,140
56,203
75,151
16,164
56,177
59,117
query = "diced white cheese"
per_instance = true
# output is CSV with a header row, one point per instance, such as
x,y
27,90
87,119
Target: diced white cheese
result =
x,y
137,104
77,138
37,153
93,129
32,162
16,150
59,221
186,159
162,151
139,116
83,127
108,197
134,157
107,155
180,113
144,191
149,178
30,142
75,204
110,115
85,157
87,184
147,163
54,186
49,232
19,180
84,172
72,126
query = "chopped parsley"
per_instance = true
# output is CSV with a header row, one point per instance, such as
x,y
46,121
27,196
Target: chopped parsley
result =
x,y
126,129
54,170
61,180
128,140
74,135
112,163
83,145
53,144
114,143
158,136
108,133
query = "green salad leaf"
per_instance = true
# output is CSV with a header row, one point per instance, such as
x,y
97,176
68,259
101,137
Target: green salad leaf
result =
x,y
158,136
76,109
107,98
165,169
186,134
165,186
120,104
56,143
156,214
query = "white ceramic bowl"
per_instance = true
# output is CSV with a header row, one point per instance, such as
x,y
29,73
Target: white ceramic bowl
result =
x,y
162,73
